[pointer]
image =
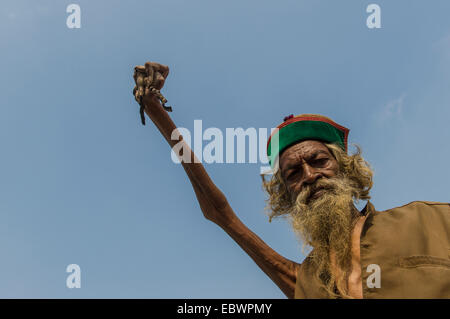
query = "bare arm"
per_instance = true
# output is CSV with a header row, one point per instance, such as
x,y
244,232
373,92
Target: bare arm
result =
x,y
213,202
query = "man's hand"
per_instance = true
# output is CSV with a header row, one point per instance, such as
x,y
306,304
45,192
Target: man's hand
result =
x,y
149,80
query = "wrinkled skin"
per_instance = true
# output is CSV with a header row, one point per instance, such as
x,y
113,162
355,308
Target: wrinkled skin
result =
x,y
304,163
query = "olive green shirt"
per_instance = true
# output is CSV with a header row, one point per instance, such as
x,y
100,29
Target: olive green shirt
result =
x,y
411,246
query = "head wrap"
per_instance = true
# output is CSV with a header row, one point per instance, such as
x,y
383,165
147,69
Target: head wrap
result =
x,y
303,127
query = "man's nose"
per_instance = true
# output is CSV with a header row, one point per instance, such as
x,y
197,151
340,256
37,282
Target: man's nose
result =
x,y
310,174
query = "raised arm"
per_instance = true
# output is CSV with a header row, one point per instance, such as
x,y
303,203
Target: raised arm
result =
x,y
213,202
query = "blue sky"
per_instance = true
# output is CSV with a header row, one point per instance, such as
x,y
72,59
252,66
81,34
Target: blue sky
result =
x,y
83,182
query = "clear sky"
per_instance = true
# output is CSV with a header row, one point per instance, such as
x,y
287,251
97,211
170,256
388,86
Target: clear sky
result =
x,y
83,182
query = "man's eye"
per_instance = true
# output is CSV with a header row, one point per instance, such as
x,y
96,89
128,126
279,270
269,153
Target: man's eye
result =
x,y
320,161
292,174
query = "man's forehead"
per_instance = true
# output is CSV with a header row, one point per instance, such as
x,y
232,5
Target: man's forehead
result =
x,y
304,149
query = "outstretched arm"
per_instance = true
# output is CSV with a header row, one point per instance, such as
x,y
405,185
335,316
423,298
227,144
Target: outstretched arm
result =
x,y
213,202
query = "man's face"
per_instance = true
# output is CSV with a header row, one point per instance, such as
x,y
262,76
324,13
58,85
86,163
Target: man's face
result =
x,y
304,163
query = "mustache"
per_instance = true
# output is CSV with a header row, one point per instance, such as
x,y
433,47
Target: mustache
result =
x,y
326,185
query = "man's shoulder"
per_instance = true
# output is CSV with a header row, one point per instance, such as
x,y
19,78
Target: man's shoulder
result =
x,y
420,204
417,208
414,224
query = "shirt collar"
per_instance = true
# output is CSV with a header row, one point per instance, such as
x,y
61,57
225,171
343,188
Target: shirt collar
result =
x,y
368,209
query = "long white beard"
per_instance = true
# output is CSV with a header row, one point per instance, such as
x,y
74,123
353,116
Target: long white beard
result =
x,y
326,222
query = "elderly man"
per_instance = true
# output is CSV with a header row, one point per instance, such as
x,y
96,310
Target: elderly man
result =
x,y
399,253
